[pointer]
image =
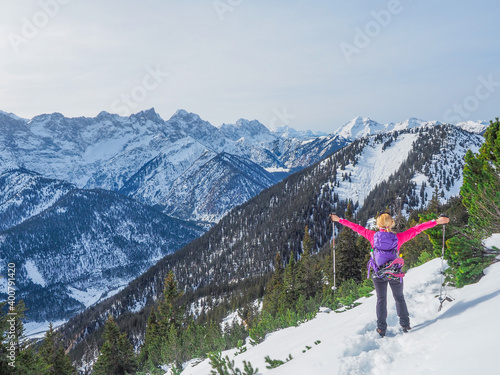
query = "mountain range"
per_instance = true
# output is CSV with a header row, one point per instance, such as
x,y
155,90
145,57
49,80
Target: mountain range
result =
x,y
149,159
364,126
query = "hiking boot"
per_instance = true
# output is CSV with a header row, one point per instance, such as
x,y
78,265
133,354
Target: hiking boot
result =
x,y
406,328
381,332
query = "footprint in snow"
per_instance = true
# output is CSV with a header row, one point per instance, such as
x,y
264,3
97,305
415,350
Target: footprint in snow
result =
x,y
364,341
367,347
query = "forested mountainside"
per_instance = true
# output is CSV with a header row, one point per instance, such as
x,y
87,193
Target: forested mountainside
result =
x,y
224,181
24,194
86,245
244,243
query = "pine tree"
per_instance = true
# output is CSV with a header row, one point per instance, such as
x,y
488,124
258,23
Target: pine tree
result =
x,y
348,256
274,287
480,194
364,247
4,343
289,295
168,310
53,357
170,319
25,360
308,274
117,355
307,242
434,205
163,343
481,186
151,349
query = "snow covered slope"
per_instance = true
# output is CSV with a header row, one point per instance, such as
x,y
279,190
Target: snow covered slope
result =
x,y
24,194
374,165
460,339
382,156
204,193
477,127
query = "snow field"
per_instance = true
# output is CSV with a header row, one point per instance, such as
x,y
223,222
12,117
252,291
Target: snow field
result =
x,y
459,339
374,166
37,330
33,273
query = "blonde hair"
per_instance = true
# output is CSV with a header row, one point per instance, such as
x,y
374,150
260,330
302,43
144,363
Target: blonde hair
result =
x,y
385,221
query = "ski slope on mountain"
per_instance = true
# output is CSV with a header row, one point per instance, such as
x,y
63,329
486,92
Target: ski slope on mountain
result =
x,y
460,339
374,166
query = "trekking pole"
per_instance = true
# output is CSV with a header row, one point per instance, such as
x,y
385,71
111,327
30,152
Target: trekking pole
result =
x,y
333,251
441,299
442,265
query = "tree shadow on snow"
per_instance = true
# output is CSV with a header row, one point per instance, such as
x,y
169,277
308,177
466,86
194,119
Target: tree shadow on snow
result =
x,y
457,309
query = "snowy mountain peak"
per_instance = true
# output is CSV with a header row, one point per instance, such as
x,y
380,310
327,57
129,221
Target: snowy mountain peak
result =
x,y
149,114
477,127
46,117
253,125
359,127
12,116
244,129
363,126
104,115
411,123
185,116
191,124
288,132
188,120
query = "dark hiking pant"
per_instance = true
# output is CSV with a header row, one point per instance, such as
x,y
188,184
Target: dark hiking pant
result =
x,y
397,291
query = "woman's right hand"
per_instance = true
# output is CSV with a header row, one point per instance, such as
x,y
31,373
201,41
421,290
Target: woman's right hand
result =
x,y
442,220
334,217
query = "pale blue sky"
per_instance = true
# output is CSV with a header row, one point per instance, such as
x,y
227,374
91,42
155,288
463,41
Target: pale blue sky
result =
x,y
306,64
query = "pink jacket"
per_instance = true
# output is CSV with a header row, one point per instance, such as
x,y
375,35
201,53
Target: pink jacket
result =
x,y
402,237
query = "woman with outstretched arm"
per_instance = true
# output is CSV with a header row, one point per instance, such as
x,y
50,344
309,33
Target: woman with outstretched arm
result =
x,y
392,241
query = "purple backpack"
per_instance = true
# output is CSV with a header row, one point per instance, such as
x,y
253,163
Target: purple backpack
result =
x,y
385,249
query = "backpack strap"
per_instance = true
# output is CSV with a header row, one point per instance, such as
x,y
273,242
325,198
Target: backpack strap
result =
x,y
372,264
